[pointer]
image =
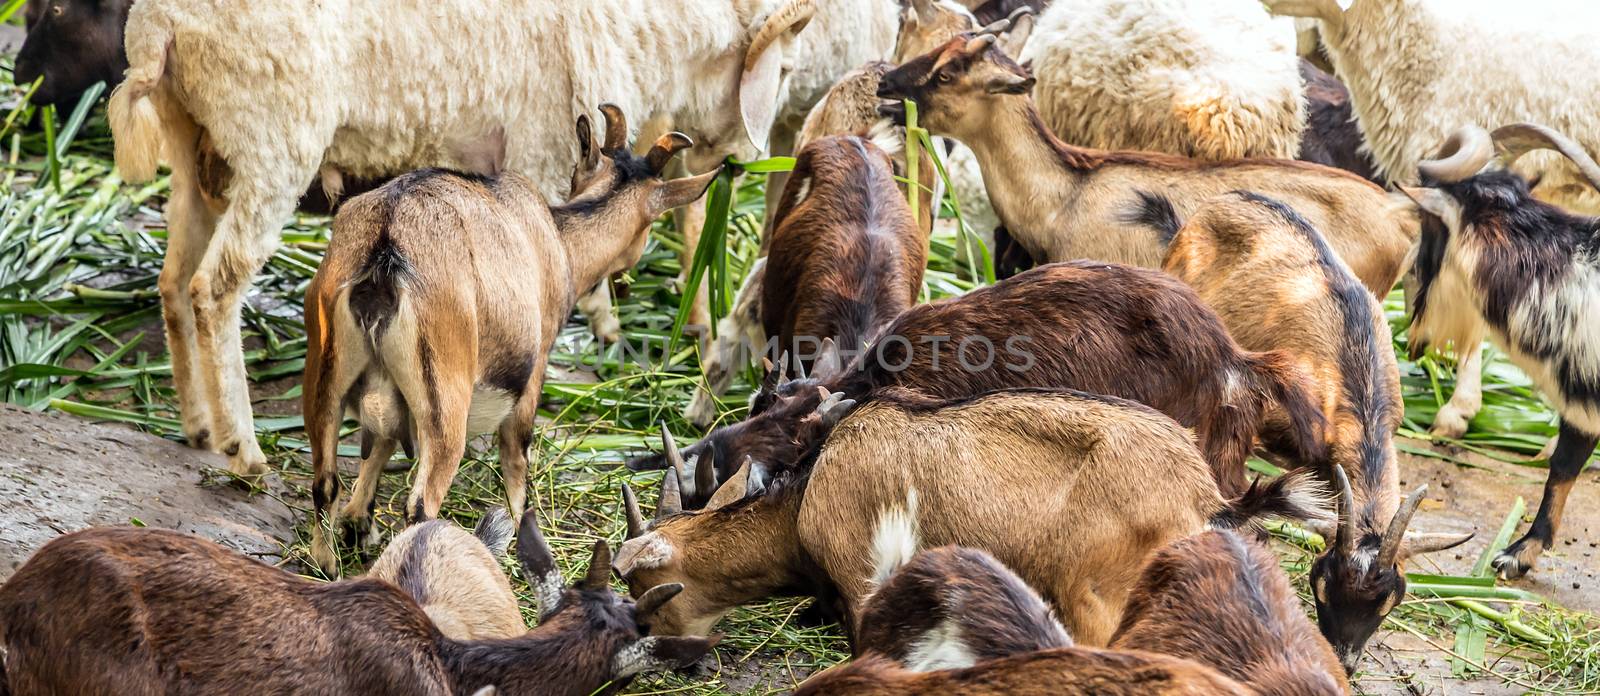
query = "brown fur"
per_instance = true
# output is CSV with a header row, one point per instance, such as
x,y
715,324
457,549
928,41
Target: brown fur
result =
x,y
846,257
145,611
413,330
1222,601
1059,672
1122,480
1064,202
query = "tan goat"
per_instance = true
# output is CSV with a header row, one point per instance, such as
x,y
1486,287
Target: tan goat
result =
x,y
1062,202
455,576
1277,285
440,296
1071,490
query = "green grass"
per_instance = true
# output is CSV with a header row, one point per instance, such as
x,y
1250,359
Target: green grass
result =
x,y
80,332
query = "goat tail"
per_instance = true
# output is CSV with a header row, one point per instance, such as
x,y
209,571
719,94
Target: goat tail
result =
x,y
1296,496
1285,383
375,295
135,121
494,530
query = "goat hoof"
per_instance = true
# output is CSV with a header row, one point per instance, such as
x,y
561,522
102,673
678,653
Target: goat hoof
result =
x,y
359,532
1450,424
323,555
199,439
1517,559
246,461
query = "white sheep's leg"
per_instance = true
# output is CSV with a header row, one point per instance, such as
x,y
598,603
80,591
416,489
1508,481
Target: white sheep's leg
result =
x,y
245,238
596,305
1454,418
189,228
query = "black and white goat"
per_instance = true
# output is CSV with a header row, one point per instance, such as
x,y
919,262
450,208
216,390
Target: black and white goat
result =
x,y
1491,256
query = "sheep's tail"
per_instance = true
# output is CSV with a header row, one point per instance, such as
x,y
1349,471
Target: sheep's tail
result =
x,y
135,121
1285,383
1296,496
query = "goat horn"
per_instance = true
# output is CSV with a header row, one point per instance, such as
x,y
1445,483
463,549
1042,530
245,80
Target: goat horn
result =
x,y
1345,540
1463,154
793,15
630,507
705,473
998,26
653,598
1394,538
1518,139
979,44
783,368
616,127
598,577
671,502
669,447
664,148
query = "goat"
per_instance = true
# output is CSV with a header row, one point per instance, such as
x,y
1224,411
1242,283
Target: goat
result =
x,y
1277,285
906,472
1210,79
1223,602
120,610
1064,202
1331,137
72,44
432,339
1060,672
400,99
1110,329
455,576
1493,256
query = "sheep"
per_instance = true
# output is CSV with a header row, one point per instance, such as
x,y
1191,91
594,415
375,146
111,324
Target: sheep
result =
x,y
122,610
905,472
1493,256
1277,285
1223,601
429,340
1127,332
1331,137
455,576
1063,202
1482,65
1214,80
369,89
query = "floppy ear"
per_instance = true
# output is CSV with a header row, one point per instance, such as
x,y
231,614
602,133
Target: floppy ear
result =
x,y
660,652
763,68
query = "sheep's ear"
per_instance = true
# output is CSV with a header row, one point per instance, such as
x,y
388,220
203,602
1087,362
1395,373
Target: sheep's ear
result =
x,y
657,653
763,67
539,565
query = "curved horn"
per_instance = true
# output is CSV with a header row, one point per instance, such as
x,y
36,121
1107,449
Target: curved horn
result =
x,y
998,26
630,507
1518,139
671,502
795,14
616,127
1463,154
705,473
598,577
664,148
1394,538
979,44
653,598
1345,539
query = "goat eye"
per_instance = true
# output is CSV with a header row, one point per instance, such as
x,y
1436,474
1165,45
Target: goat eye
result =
x,y
944,77
56,10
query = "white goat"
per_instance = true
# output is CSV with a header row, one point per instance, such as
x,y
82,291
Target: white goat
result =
x,y
1210,79
374,87
1487,66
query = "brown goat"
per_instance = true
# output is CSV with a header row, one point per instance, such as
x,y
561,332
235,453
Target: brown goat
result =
x,y
438,301
1102,328
846,256
1071,489
1277,285
1059,672
122,610
1063,202
455,576
1223,602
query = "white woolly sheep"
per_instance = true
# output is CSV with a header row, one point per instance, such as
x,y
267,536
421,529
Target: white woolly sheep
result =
x,y
368,87
1210,79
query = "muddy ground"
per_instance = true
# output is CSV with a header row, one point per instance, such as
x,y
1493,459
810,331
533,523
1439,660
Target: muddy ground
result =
x,y
59,473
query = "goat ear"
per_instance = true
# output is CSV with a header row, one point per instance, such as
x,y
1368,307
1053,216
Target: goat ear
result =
x,y
705,473
485,691
763,67
539,565
828,363
680,192
755,477
1431,200
1009,84
494,530
598,577
587,152
660,652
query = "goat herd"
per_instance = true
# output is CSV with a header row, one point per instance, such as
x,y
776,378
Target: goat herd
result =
x,y
1037,487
